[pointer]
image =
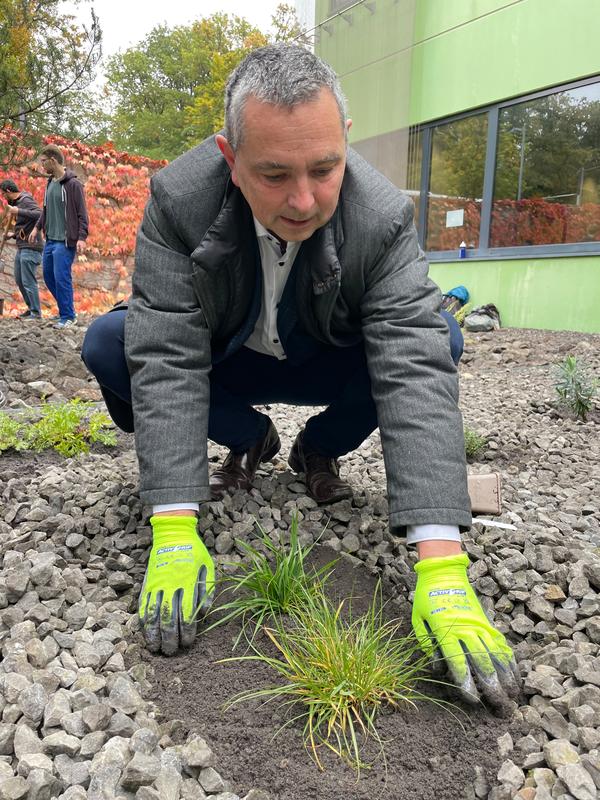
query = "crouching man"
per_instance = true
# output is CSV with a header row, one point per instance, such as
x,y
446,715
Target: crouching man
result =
x,y
274,265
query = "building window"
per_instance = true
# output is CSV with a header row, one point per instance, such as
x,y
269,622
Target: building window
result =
x,y
456,183
547,176
520,174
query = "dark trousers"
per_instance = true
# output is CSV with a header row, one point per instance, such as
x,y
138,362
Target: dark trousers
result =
x,y
336,378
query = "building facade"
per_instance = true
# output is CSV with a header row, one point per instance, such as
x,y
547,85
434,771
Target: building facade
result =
x,y
488,113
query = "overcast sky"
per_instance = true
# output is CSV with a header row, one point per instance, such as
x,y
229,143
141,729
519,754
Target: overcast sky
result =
x,y
126,22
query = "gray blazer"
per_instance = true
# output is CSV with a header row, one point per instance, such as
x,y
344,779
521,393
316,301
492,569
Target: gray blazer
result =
x,y
363,276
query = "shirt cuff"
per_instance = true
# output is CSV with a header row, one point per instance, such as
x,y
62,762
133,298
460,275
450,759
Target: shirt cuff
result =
x,y
424,533
175,507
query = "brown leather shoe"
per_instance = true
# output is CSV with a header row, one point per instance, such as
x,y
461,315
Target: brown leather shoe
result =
x,y
239,469
321,474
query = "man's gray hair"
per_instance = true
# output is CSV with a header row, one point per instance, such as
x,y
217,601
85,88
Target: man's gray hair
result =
x,y
282,74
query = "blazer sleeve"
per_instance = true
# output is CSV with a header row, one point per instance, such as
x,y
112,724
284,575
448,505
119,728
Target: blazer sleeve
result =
x,y
167,348
414,384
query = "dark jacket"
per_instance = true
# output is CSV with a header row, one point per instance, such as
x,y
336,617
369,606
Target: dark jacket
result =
x,y
29,213
362,276
76,217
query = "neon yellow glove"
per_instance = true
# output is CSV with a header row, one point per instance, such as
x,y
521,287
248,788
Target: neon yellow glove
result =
x,y
450,623
178,586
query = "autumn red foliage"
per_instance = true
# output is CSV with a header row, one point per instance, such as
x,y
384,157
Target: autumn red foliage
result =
x,y
116,188
514,223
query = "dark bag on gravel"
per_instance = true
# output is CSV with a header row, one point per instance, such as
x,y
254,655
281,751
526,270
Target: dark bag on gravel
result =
x,y
483,318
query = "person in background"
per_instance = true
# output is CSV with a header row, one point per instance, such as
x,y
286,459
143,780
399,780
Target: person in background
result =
x,y
28,257
64,222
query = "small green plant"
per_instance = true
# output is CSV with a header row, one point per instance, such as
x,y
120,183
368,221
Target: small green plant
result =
x,y
575,387
69,428
340,672
271,581
475,443
10,433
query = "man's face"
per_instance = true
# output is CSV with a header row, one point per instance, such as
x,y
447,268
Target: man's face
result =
x,y
290,165
48,164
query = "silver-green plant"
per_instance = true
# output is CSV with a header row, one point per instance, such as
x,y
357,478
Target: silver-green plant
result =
x,y
576,387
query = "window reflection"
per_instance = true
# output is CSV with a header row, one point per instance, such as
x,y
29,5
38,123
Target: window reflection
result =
x,y
547,176
456,183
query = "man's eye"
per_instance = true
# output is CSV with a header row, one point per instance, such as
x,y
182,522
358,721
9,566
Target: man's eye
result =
x,y
323,173
274,178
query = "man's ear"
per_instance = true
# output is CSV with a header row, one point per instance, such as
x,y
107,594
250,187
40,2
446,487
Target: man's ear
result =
x,y
348,125
228,154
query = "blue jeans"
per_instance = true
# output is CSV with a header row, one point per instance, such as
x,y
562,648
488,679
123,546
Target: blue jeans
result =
x,y
58,260
336,378
26,263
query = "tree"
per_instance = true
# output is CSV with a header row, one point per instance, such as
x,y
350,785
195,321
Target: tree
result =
x,y
206,114
46,61
286,25
168,91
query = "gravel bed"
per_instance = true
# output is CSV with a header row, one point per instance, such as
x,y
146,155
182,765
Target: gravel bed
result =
x,y
76,721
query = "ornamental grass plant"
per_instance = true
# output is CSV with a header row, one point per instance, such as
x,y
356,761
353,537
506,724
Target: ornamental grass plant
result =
x,y
270,581
338,672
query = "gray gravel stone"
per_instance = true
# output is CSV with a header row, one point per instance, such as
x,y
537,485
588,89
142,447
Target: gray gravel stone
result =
x,y
57,743
142,770
144,741
578,781
191,790
13,788
560,753
96,717
7,738
26,741
211,781
197,753
511,775
124,697
591,762
32,761
169,783
72,772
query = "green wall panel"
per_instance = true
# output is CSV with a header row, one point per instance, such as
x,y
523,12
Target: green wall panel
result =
x,y
416,60
531,45
547,293
372,54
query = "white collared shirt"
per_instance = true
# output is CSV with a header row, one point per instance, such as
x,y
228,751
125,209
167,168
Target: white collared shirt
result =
x,y
276,270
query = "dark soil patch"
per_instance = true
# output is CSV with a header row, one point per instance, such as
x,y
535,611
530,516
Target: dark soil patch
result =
x,y
429,755
28,461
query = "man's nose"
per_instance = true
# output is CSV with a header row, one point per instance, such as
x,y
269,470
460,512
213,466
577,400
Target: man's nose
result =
x,y
302,198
